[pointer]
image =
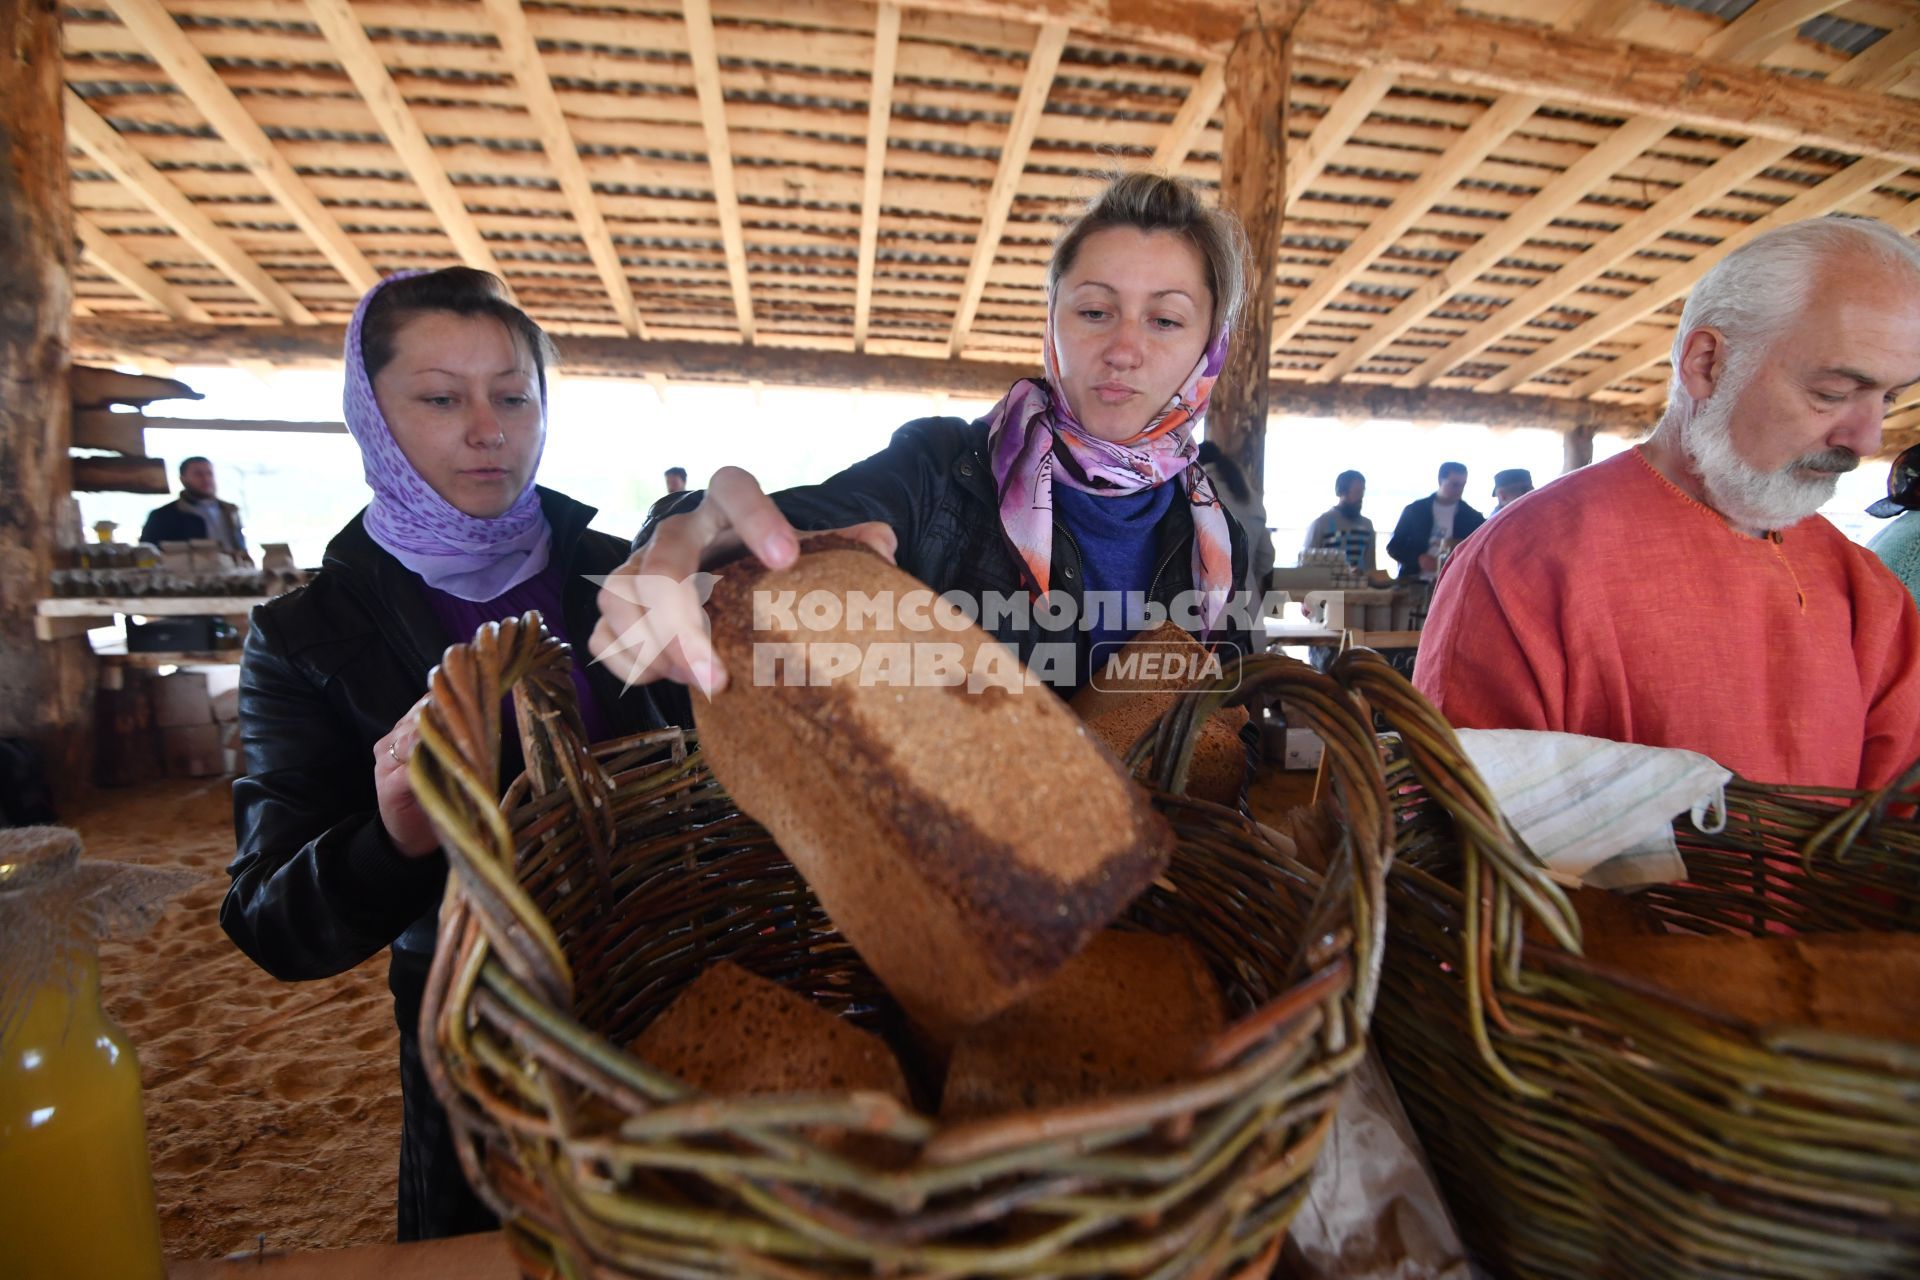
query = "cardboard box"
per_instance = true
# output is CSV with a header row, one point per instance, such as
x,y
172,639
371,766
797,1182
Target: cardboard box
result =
x,y
181,700
226,705
193,751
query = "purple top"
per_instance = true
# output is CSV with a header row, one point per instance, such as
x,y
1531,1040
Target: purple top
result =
x,y
472,558
462,617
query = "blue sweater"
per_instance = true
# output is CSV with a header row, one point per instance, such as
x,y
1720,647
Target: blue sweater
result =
x,y
1117,539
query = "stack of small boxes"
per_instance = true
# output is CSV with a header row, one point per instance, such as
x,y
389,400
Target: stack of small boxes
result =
x,y
198,731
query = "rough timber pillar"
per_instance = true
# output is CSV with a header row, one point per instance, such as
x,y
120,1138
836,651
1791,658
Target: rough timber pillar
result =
x,y
1253,184
45,688
1577,448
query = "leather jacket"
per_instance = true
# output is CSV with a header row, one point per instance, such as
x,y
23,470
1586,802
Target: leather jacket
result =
x,y
934,486
328,669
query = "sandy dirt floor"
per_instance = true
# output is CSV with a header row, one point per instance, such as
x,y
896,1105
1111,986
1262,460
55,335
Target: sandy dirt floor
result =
x,y
271,1107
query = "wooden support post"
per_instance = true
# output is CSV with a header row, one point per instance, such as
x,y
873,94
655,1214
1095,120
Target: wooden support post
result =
x,y
1577,445
1253,169
46,690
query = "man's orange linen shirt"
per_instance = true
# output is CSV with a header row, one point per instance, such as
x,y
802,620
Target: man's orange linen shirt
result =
x,y
1610,603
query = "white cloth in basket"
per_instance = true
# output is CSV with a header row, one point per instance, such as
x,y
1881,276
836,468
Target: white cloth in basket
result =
x,y
1597,811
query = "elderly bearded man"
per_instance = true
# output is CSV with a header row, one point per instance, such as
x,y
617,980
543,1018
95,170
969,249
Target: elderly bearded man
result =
x,y
1684,593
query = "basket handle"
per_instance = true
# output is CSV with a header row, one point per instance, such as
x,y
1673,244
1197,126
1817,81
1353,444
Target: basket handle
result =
x,y
456,775
1497,870
1356,878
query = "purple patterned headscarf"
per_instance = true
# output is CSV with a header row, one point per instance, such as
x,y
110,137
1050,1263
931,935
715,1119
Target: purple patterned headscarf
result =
x,y
463,555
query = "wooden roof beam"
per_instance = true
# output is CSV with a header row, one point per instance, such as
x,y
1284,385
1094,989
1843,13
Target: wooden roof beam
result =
x,y
1431,42
358,58
886,49
1858,177
1635,233
1041,65
1348,112
319,346
202,85
106,148
1552,200
1506,114
1191,121
1659,350
136,276
509,22
705,56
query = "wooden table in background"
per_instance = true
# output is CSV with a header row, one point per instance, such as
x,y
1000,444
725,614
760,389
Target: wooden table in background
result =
x,y
481,1257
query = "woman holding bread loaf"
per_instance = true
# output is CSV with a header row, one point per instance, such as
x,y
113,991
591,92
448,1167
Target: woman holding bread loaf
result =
x,y
445,395
1080,481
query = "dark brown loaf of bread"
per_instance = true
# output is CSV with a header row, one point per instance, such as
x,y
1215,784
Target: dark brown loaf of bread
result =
x,y
1865,984
734,1032
1119,710
966,842
1130,1012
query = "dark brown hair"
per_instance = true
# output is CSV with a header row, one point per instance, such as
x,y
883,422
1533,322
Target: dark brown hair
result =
x,y
463,291
1152,201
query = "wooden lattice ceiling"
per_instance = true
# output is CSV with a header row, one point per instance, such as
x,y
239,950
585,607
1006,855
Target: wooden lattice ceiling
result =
x,y
836,176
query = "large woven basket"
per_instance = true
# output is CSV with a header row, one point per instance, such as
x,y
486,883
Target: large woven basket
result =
x,y
606,879
1585,1124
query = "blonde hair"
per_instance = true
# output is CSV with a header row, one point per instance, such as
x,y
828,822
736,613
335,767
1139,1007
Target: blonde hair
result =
x,y
1152,201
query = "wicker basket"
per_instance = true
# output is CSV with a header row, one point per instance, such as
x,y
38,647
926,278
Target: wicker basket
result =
x,y
606,879
1584,1124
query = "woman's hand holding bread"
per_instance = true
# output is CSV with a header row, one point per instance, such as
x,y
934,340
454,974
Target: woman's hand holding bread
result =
x,y
651,620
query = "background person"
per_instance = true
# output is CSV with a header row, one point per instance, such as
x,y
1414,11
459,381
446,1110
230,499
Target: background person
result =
x,y
1343,528
1431,526
197,513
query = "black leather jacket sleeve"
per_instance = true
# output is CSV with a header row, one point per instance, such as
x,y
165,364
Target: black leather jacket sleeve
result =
x,y
317,885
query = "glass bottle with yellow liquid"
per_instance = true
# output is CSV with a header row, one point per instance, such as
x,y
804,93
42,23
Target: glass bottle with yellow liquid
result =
x,y
76,1190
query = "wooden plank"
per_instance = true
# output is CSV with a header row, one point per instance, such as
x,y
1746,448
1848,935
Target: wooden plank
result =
x,y
886,46
705,57
530,73
713,362
1635,233
1611,75
1862,175
1763,28
1041,64
132,170
120,475
136,276
123,433
246,424
1502,118
147,606
1191,121
196,79
357,57
1733,170
1552,200
1343,119
1253,170
89,387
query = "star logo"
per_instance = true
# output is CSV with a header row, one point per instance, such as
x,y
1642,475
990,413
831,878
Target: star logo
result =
x,y
644,642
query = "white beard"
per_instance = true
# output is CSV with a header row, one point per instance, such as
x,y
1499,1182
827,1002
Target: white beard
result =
x,y
1744,494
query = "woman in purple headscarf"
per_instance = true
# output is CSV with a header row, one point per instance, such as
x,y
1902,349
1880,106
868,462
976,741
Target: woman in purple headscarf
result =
x,y
1080,488
446,390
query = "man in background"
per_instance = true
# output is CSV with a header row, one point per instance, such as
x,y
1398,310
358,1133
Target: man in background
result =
x,y
1343,528
1432,525
1516,482
1898,545
676,479
197,513
1685,593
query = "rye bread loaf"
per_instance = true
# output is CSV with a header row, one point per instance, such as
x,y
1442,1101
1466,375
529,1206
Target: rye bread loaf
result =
x,y
733,1032
1121,707
1130,1012
967,839
1864,984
